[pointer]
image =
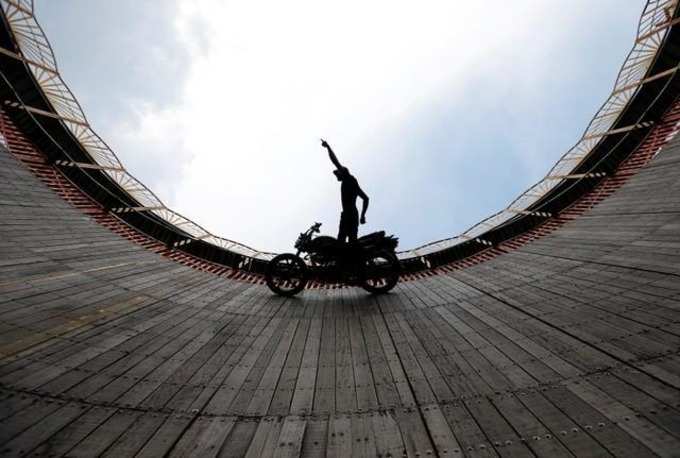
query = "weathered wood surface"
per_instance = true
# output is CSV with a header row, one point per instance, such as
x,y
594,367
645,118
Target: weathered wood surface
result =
x,y
565,346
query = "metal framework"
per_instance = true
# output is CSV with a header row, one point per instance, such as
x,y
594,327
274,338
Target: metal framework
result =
x,y
35,52
654,23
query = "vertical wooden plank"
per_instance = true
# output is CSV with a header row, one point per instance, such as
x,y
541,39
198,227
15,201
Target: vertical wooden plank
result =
x,y
303,396
567,431
272,441
396,369
345,388
315,437
473,441
285,388
65,439
266,434
204,437
237,443
42,430
324,397
445,442
339,437
363,376
594,423
388,440
501,435
136,436
542,441
414,432
290,440
363,441
640,428
105,435
166,436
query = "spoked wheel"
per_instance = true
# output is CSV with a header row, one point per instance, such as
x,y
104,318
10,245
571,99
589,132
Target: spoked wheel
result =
x,y
286,274
381,272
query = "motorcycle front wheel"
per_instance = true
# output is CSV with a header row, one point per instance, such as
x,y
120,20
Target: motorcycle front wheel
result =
x,y
286,274
380,272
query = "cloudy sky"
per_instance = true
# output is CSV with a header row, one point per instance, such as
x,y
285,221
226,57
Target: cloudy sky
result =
x,y
444,110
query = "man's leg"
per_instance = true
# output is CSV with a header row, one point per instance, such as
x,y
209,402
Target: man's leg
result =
x,y
353,231
342,230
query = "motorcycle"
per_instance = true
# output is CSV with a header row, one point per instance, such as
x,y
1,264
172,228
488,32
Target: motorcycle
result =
x,y
370,262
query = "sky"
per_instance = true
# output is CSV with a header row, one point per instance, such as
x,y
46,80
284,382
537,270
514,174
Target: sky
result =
x,y
445,111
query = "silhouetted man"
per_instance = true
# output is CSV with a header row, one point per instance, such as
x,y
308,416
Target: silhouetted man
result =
x,y
349,191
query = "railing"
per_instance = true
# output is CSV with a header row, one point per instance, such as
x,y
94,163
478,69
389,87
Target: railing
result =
x,y
35,51
656,18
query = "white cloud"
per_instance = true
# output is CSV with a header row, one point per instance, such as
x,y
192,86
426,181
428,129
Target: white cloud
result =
x,y
267,79
151,145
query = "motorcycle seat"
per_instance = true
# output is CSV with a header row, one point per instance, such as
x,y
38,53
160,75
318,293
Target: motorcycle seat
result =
x,y
372,236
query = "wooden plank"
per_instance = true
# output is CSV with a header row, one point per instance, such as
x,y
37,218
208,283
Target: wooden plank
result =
x,y
324,392
290,439
106,434
594,423
14,402
416,379
401,384
417,341
388,439
285,388
136,436
210,378
363,375
305,383
15,424
266,388
339,440
473,441
66,438
500,433
540,439
246,356
363,441
166,436
385,387
315,437
42,430
413,432
182,387
662,414
444,439
640,428
237,443
266,438
562,427
204,437
345,387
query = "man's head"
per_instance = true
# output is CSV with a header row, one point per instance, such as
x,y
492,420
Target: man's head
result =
x,y
341,173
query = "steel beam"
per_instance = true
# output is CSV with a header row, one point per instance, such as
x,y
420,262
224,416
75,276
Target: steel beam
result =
x,y
576,176
658,29
85,165
120,210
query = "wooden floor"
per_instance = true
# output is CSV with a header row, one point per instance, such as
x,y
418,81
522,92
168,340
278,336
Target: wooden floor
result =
x,y
567,346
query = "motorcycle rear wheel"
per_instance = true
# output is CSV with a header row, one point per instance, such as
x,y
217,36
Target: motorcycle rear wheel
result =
x,y
380,272
286,274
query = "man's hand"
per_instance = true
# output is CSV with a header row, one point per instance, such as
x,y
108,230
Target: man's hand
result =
x,y
363,220
324,143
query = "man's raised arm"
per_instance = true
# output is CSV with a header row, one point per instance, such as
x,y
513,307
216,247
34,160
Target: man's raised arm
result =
x,y
331,154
